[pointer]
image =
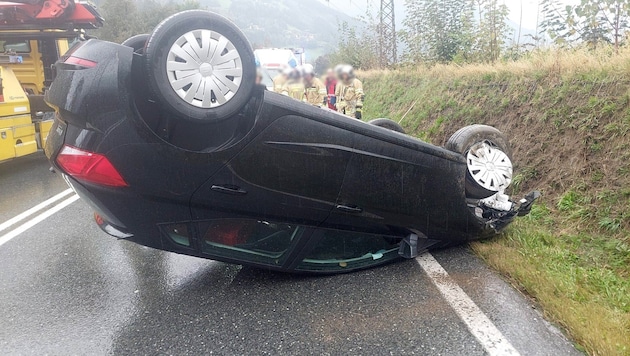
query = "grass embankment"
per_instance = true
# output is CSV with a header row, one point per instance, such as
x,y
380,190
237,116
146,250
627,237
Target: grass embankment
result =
x,y
568,119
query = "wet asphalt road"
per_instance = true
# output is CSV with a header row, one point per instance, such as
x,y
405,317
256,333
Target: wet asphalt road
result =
x,y
67,288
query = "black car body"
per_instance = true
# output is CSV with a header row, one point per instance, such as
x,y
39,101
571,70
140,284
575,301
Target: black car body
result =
x,y
277,183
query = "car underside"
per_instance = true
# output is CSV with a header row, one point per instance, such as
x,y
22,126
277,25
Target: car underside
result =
x,y
174,147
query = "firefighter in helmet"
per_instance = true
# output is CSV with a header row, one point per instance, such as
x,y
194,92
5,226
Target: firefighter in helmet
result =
x,y
281,79
315,91
294,87
349,93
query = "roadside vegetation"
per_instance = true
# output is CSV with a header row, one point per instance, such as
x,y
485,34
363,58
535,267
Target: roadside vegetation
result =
x,y
567,114
127,18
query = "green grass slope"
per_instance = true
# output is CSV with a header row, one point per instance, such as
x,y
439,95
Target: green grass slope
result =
x,y
568,118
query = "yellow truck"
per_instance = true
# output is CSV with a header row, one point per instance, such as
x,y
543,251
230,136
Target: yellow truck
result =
x,y
17,131
34,34
23,124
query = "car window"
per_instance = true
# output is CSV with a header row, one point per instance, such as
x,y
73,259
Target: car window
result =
x,y
339,250
253,240
269,243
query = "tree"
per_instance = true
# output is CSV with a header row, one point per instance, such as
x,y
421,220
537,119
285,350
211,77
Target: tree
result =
x,y
126,18
358,50
322,63
455,30
120,20
493,30
591,21
154,11
437,30
604,20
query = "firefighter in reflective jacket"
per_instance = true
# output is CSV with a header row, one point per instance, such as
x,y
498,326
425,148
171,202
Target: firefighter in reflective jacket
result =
x,y
349,93
315,91
281,79
294,87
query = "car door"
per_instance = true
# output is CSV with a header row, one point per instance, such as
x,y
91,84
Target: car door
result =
x,y
394,180
291,172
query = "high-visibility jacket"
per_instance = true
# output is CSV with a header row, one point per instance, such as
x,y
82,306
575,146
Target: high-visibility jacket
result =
x,y
278,83
294,89
349,97
315,92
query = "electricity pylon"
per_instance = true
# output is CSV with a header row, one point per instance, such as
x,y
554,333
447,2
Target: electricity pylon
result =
x,y
387,34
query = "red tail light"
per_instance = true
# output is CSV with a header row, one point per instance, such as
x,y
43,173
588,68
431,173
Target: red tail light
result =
x,y
80,62
90,167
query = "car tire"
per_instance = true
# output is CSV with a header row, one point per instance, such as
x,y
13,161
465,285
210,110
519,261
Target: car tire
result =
x,y
387,124
462,141
137,42
177,71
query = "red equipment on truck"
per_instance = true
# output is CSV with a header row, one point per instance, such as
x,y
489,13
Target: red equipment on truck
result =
x,y
46,14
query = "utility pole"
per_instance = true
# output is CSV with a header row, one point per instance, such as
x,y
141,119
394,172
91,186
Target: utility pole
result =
x,y
387,34
387,42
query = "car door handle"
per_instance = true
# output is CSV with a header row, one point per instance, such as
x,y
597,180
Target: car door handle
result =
x,y
349,209
229,189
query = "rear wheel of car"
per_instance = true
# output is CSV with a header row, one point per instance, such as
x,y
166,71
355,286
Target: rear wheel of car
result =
x,y
137,42
488,158
200,66
387,124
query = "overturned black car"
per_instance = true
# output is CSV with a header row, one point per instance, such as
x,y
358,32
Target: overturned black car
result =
x,y
170,141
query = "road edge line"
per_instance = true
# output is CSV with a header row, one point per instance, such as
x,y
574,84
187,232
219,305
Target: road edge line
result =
x,y
36,220
25,214
482,328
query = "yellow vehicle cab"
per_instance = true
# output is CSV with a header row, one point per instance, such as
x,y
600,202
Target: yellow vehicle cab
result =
x,y
33,71
26,73
17,131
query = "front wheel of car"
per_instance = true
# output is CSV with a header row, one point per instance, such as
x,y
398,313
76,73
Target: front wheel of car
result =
x,y
200,66
387,124
488,159
137,42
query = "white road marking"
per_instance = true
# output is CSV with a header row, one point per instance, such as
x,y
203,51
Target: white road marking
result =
x,y
36,220
16,219
477,322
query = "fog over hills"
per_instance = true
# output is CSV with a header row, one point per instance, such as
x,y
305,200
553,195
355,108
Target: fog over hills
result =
x,y
310,24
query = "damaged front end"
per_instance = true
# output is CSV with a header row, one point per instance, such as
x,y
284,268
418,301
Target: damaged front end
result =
x,y
488,176
498,211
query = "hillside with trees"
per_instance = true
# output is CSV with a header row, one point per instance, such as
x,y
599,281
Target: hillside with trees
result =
x,y
308,24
